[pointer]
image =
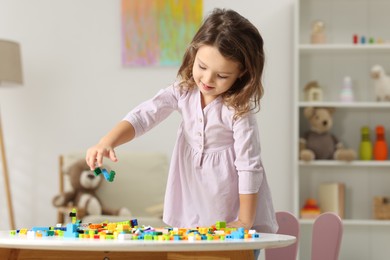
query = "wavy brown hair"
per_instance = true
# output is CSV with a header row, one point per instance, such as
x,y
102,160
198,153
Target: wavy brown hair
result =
x,y
238,40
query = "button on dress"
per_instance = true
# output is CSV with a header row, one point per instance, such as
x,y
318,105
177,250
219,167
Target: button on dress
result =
x,y
215,159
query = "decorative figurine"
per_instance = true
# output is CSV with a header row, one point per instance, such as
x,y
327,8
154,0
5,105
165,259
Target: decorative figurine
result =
x,y
313,92
365,144
355,39
381,83
310,210
380,147
318,32
346,94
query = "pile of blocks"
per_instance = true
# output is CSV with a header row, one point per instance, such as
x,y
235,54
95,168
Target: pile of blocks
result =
x,y
129,230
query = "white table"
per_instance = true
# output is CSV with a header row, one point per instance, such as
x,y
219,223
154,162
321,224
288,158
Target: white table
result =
x,y
16,247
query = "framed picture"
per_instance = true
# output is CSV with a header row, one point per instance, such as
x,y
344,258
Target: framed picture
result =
x,y
157,32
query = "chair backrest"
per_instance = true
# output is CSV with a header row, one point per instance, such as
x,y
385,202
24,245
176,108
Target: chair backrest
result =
x,y
288,225
326,237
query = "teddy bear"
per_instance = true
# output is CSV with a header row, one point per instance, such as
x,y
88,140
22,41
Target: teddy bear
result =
x,y
319,143
84,184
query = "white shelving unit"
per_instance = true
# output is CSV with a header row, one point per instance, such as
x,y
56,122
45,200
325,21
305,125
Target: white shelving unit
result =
x,y
328,63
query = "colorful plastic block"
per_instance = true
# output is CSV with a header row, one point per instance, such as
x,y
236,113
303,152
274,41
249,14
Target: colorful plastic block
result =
x,y
129,230
109,176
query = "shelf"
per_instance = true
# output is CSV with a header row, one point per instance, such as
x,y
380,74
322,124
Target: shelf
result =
x,y
358,163
346,105
354,222
329,48
328,64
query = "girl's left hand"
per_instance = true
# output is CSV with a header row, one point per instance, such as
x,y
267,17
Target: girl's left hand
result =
x,y
238,224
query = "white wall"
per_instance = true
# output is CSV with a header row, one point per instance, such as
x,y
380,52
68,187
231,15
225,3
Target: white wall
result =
x,y
76,89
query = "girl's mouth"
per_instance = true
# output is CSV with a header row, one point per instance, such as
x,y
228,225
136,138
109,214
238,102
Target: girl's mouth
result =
x,y
206,87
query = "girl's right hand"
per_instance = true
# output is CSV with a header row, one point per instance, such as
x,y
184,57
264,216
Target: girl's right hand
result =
x,y
95,154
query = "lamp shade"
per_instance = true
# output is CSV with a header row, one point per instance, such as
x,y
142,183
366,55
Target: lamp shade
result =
x,y
10,63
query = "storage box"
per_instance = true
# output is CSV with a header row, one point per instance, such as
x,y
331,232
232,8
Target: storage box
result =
x,y
332,197
381,207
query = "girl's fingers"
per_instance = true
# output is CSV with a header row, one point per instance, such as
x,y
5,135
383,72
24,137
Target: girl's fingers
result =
x,y
99,159
90,159
112,155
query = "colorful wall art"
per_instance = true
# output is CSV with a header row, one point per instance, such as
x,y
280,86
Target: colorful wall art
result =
x,y
157,32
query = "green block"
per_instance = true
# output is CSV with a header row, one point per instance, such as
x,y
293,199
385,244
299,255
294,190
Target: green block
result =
x,y
97,171
220,224
111,177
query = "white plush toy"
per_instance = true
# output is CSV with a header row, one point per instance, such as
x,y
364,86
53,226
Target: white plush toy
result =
x,y
382,83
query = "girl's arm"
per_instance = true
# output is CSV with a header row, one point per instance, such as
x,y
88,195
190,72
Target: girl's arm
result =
x,y
246,216
249,168
122,133
138,121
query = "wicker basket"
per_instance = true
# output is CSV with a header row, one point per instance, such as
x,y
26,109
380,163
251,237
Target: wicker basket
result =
x,y
381,207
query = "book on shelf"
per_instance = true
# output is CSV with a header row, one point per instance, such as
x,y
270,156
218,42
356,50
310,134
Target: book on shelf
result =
x,y
332,198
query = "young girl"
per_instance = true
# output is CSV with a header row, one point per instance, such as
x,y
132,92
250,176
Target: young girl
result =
x,y
216,172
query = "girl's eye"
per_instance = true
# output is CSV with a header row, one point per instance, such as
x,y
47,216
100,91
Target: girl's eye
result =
x,y
222,77
201,67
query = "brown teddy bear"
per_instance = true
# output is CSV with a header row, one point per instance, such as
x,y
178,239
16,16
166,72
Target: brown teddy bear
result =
x,y
84,183
319,143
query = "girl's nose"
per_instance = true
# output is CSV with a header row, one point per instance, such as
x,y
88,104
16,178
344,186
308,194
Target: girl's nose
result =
x,y
208,78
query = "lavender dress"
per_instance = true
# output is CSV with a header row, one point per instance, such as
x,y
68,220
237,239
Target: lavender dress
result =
x,y
214,160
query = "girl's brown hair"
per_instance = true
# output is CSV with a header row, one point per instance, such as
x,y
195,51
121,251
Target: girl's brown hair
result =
x,y
238,40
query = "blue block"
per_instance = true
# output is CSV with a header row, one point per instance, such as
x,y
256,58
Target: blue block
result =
x,y
108,176
40,229
134,223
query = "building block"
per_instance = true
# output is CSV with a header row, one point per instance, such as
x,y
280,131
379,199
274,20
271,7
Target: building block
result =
x,y
109,176
129,230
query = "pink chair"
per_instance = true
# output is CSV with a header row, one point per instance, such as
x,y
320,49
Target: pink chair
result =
x,y
288,225
326,237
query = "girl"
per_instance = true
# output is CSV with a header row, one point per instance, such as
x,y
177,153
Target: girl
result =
x,y
216,173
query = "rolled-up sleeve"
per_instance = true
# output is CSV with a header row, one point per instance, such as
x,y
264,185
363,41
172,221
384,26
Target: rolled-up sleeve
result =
x,y
247,150
153,111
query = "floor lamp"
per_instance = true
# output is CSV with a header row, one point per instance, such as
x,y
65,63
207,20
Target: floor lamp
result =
x,y
10,75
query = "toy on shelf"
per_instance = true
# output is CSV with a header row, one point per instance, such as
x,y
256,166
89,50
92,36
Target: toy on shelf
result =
x,y
130,230
310,210
381,83
313,92
365,148
355,39
346,94
381,207
363,40
318,32
380,146
319,143
331,196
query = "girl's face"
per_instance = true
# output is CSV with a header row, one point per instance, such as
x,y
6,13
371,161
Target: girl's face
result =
x,y
213,73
